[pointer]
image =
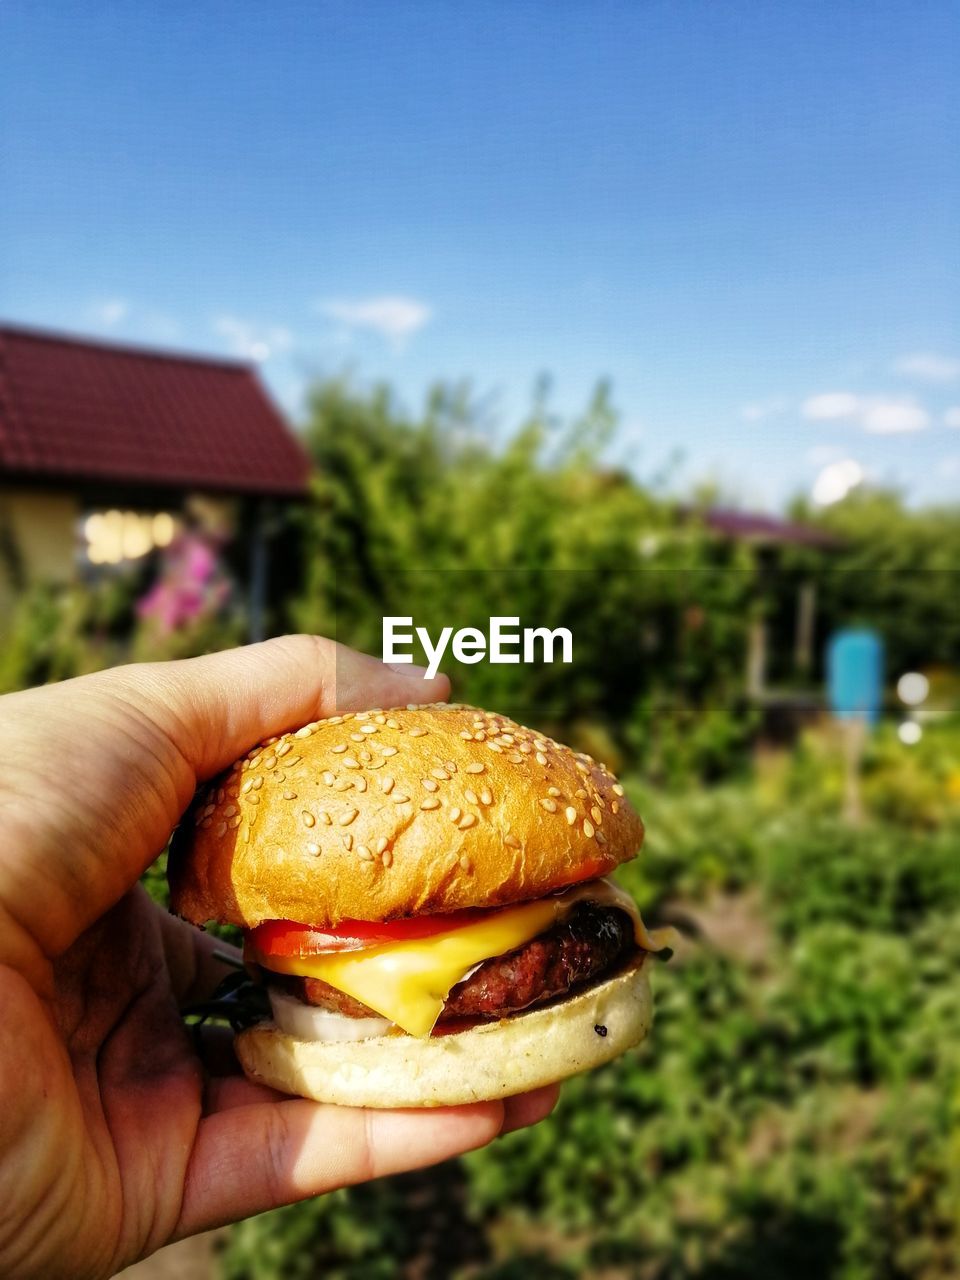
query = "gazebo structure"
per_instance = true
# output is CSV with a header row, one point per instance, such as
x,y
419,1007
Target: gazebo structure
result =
x,y
105,450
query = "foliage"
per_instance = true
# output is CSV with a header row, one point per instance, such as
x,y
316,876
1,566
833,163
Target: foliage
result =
x,y
427,517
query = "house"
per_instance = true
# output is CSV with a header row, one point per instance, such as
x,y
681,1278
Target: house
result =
x,y
107,450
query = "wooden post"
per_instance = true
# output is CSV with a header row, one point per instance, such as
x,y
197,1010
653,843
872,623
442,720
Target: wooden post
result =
x,y
258,572
854,734
806,612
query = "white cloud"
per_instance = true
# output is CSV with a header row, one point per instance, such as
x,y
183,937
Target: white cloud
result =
x,y
893,417
928,366
831,404
393,317
951,417
757,410
877,415
250,341
949,466
109,312
835,481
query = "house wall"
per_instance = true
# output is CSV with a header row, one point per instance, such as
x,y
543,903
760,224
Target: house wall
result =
x,y
39,529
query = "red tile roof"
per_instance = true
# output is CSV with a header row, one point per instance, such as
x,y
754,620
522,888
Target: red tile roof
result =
x,y
78,410
755,527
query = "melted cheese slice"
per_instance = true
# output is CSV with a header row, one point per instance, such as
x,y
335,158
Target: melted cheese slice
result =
x,y
408,982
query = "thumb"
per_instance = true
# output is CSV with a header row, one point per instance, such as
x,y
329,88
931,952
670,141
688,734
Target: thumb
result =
x,y
114,759
215,708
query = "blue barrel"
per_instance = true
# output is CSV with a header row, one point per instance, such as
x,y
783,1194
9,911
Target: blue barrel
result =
x,y
855,674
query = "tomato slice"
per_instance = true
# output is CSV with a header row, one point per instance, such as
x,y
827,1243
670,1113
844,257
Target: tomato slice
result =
x,y
287,938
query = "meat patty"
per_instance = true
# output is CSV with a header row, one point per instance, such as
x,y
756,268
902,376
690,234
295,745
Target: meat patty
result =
x,y
591,941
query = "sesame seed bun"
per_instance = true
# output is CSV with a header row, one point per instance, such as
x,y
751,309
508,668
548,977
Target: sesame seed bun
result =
x,y
380,814
493,1060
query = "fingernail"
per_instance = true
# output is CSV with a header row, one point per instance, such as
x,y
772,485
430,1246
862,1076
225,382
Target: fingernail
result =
x,y
408,669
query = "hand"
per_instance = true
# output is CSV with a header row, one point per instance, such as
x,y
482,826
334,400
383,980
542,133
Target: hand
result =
x,y
114,1138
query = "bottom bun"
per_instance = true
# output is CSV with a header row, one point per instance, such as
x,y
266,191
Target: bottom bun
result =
x,y
492,1060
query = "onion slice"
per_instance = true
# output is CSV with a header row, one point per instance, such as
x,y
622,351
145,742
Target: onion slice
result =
x,y
308,1022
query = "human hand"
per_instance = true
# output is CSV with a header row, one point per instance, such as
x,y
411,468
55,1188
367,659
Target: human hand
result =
x,y
114,1137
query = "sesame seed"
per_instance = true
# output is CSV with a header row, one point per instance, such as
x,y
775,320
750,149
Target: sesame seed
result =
x,y
283,748
511,840
465,863
220,795
371,728
493,747
596,815
386,784
507,738
480,736
246,835
580,793
257,783
363,853
381,844
553,791
230,810
252,798
314,849
615,808
388,751
342,784
393,724
386,858
400,798
431,802
350,763
347,841
325,818
455,814
365,756
356,737
235,821
617,789
339,749
328,777
486,797
347,817
601,838
541,758
305,732
471,796
208,810
270,762
477,767
588,830
221,829
429,784
450,766
417,733
308,819
548,804
467,820
292,761
247,786
361,783
570,814
466,735
441,774
515,757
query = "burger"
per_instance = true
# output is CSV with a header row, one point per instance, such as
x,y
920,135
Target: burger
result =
x,y
424,897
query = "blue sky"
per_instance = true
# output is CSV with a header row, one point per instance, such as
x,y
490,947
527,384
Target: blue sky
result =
x,y
746,214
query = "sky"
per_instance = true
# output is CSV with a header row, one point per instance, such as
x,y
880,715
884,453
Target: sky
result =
x,y
745,214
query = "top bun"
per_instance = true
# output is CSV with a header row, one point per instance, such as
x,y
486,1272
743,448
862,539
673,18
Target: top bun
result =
x,y
412,811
